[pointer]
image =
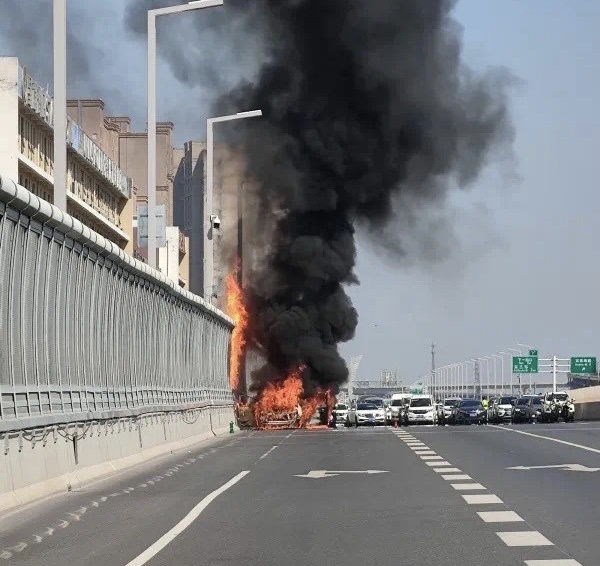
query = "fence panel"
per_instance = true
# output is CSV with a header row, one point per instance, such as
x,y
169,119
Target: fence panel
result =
x,y
87,331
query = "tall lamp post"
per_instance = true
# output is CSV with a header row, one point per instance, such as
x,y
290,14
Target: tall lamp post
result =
x,y
518,375
529,347
501,369
211,221
59,31
151,184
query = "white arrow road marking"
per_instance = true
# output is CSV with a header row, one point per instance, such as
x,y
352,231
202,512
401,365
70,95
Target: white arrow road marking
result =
x,y
316,474
569,467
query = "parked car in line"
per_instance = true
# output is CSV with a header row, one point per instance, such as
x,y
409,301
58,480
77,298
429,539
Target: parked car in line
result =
x,y
365,414
502,410
420,410
534,408
341,412
557,405
445,411
468,411
521,410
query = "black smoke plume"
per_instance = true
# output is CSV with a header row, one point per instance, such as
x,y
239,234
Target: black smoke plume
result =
x,y
369,116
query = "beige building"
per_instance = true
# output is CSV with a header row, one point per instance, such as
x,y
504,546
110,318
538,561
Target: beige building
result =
x,y
232,202
99,193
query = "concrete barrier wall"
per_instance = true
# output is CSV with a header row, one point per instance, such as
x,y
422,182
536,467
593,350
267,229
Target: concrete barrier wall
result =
x,y
587,403
38,463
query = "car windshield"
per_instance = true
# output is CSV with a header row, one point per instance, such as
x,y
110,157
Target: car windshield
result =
x,y
451,402
397,403
522,401
536,401
558,396
470,403
506,400
341,407
420,402
366,407
376,402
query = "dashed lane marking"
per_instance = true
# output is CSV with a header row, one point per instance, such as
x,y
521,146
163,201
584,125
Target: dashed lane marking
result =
x,y
482,499
450,477
436,457
447,470
559,562
524,538
425,452
436,463
468,486
500,517
268,452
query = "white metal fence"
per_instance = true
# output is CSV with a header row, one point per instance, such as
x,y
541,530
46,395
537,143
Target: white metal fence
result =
x,y
88,332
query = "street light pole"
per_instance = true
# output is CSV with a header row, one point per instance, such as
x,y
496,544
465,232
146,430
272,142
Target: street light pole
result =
x,y
530,375
208,282
151,183
59,25
511,375
501,370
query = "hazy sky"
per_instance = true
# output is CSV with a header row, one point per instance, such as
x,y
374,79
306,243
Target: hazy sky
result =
x,y
526,265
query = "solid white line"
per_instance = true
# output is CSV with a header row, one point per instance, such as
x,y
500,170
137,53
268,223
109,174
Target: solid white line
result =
x,y
481,499
467,486
268,452
170,535
555,562
588,448
524,538
499,516
437,463
450,477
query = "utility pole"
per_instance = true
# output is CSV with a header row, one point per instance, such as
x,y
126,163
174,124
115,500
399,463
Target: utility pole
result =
x,y
433,369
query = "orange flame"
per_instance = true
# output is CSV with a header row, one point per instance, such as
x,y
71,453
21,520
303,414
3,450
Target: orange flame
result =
x,y
281,404
236,309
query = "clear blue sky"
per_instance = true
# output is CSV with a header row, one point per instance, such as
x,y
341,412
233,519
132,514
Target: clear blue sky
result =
x,y
528,269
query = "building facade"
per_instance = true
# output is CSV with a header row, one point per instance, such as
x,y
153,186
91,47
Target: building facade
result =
x,y
232,192
99,194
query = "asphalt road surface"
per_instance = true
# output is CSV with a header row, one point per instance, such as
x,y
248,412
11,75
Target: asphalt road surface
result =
x,y
445,496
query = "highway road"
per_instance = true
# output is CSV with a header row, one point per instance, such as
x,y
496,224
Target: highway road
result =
x,y
446,496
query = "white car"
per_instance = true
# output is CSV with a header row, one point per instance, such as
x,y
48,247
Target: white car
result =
x,y
394,411
421,409
365,413
341,412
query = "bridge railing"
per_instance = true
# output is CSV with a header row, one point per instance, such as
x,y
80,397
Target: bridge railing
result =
x,y
88,332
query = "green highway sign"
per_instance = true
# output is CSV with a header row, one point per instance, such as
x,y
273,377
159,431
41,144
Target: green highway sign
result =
x,y
533,352
525,364
583,365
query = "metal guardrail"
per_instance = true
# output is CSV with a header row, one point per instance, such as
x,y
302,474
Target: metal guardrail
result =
x,y
87,331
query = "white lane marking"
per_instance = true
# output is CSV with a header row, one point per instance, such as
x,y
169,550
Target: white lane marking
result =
x,y
467,486
450,477
573,444
430,457
556,562
268,452
447,470
413,443
524,538
481,499
499,516
425,452
170,535
436,463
